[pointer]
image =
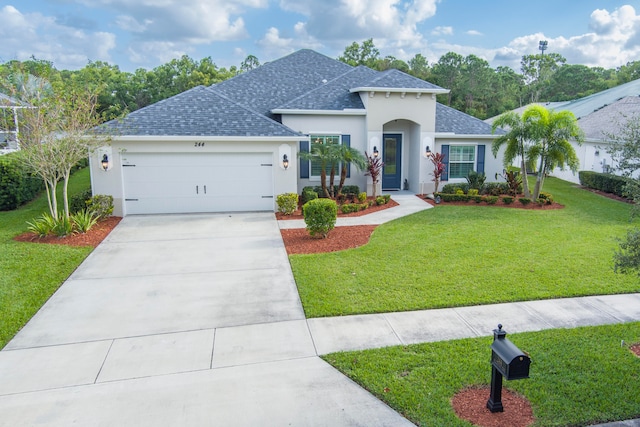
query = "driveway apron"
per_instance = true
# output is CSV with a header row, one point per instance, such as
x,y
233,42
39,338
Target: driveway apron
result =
x,y
179,320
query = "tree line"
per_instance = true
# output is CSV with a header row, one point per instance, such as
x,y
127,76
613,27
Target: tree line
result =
x,y
482,91
475,87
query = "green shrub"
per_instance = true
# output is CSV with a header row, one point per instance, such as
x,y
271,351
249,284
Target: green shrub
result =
x,y
497,188
364,206
606,182
308,194
351,190
476,180
524,200
320,216
387,198
101,205
287,203
476,198
453,197
83,220
62,226
491,200
379,200
451,188
459,192
349,208
41,226
17,185
546,198
473,192
78,201
507,200
362,197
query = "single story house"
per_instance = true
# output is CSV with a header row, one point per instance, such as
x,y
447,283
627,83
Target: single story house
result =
x,y
234,146
599,116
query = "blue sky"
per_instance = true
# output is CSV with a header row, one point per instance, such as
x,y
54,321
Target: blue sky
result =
x,y
146,33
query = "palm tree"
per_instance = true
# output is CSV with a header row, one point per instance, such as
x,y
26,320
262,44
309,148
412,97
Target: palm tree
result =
x,y
552,132
516,143
322,153
347,155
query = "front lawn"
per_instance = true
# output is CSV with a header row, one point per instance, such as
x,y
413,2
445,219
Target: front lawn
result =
x,y
454,256
31,273
578,376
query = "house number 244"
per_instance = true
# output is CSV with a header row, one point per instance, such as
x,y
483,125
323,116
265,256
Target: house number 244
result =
x,y
198,144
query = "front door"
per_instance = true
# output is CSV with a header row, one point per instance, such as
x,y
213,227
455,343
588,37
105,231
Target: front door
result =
x,y
391,156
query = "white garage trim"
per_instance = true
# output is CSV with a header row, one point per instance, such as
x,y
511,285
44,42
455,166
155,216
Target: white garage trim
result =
x,y
197,182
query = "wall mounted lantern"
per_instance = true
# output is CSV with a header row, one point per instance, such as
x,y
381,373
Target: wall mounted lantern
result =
x,y
284,156
376,153
427,152
105,162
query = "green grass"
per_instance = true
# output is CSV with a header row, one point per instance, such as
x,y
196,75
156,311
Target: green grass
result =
x,y
31,273
577,376
466,255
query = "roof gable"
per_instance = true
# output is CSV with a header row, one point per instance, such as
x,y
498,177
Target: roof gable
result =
x,y
197,112
396,79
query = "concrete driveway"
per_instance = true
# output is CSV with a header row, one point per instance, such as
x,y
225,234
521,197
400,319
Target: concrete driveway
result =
x,y
179,320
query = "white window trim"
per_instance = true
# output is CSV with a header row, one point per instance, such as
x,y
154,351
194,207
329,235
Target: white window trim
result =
x,y
316,178
475,160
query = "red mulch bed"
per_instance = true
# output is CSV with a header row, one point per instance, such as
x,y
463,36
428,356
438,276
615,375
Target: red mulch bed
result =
x,y
635,349
375,208
92,238
514,205
471,405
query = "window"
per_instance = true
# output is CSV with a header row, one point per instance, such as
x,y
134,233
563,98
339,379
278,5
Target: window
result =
x,y
316,167
462,159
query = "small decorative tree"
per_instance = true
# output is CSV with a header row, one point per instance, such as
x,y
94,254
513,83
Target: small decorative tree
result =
x,y
374,169
439,167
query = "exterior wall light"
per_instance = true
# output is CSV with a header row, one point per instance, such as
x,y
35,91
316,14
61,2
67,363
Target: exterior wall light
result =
x,y
376,153
285,162
427,152
105,162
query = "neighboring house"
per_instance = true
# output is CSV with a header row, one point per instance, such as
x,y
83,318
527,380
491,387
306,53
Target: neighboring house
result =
x,y
9,126
223,148
599,116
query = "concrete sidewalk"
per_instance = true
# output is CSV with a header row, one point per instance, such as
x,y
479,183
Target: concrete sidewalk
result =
x,y
195,320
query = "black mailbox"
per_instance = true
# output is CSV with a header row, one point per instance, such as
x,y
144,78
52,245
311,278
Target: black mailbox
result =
x,y
507,360
512,363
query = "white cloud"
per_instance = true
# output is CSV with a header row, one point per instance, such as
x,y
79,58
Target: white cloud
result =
x,y
33,34
388,22
474,33
274,44
442,31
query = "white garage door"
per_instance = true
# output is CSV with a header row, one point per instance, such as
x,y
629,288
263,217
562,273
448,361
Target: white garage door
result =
x,y
203,182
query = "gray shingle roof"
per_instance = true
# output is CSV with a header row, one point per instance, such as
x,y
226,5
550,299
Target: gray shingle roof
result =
x,y
397,79
276,83
197,112
451,120
610,118
335,94
305,80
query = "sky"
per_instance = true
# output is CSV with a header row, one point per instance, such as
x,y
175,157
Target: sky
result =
x,y
136,34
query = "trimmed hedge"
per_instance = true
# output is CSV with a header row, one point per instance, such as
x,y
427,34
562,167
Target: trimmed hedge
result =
x,y
17,185
606,182
320,216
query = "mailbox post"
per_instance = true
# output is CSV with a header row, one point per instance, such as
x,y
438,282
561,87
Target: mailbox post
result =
x,y
506,360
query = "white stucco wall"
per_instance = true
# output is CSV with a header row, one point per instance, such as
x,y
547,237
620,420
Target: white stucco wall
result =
x,y
593,156
353,125
110,182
